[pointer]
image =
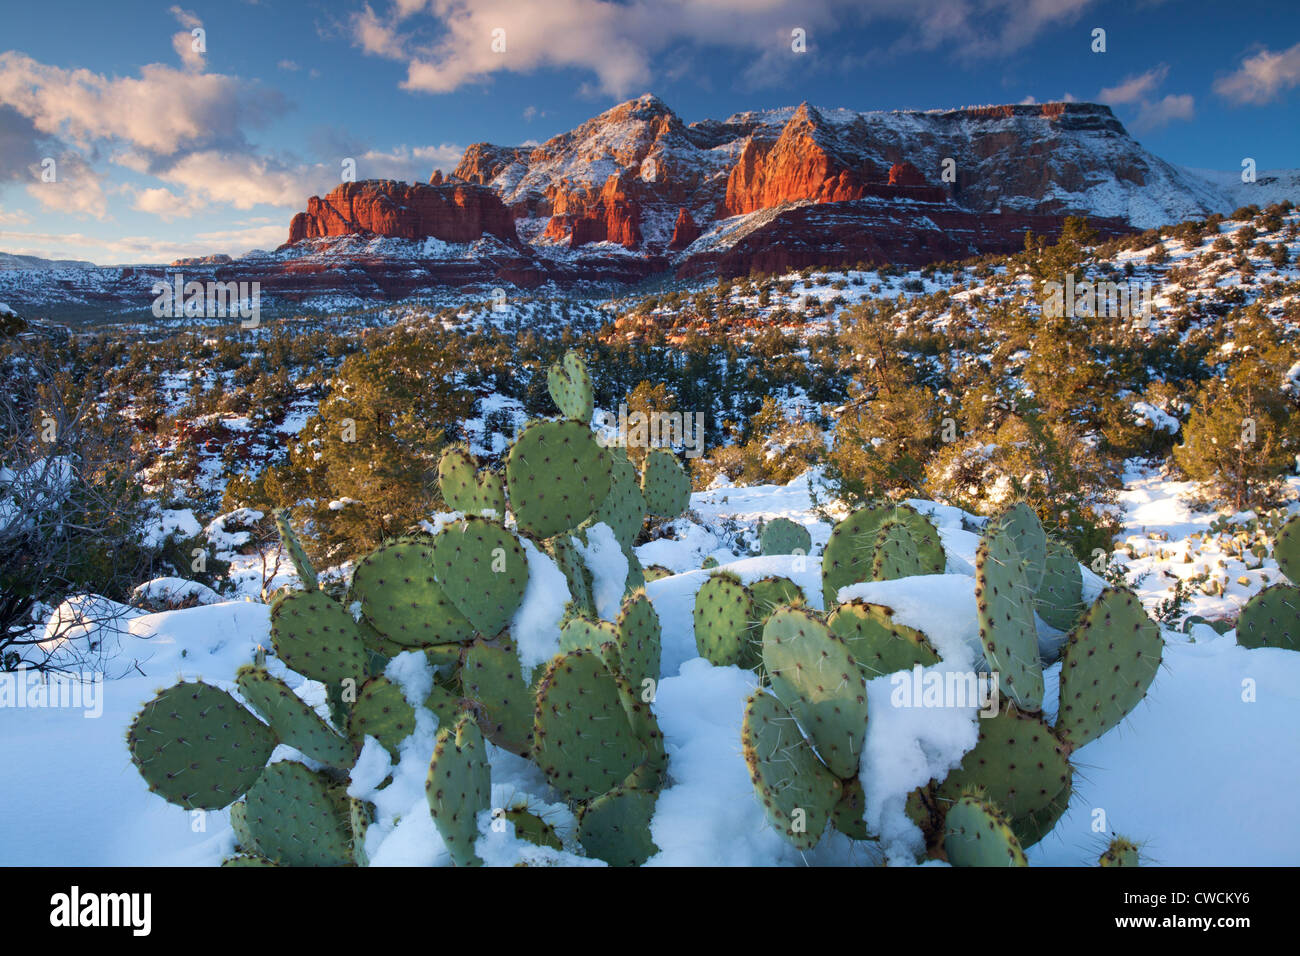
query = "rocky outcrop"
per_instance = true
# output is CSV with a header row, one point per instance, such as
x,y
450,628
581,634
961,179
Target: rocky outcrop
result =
x,y
384,207
685,231
219,259
905,174
609,216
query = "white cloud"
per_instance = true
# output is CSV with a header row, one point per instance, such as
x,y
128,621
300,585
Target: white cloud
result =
x,y
289,66
1135,88
142,249
1164,111
76,188
185,42
447,44
1262,77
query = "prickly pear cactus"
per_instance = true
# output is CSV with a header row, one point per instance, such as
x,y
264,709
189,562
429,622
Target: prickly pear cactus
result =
x,y
314,636
978,834
851,551
583,740
1024,529
615,827
639,640
1271,619
877,642
482,570
492,679
783,536
381,711
557,476
468,490
724,611
624,508
896,554
797,792
570,388
1120,852
1006,613
459,787
1286,549
401,599
299,817
292,721
1059,599
664,483
1107,663
198,747
301,563
815,676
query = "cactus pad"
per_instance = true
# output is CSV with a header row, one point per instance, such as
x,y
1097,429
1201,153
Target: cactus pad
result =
x,y
1286,549
570,388
482,570
978,834
664,483
198,747
402,600
847,816
815,676
1006,614
624,508
896,554
1120,852
1059,600
466,489
877,642
1107,663
1271,619
724,611
615,827
381,711
301,563
851,549
582,738
492,679
639,645
459,787
292,721
783,536
1026,533
314,636
557,476
299,818
797,792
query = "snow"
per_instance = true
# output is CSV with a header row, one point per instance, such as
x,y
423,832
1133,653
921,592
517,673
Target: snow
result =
x,y
1214,733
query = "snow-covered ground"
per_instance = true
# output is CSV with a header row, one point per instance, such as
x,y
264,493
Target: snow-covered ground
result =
x,y
1184,774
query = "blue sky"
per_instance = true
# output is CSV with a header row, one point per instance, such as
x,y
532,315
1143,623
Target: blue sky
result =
x,y
161,150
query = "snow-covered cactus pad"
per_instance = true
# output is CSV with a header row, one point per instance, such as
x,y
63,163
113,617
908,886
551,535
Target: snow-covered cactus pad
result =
x,y
468,490
570,388
459,787
301,563
557,476
1271,619
724,612
664,484
797,792
815,676
977,833
851,551
1108,661
1120,852
1005,602
299,817
482,570
401,598
783,536
1286,549
582,737
317,638
877,642
292,721
198,747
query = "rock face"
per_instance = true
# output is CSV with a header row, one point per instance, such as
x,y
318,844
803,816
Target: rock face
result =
x,y
636,191
685,231
385,207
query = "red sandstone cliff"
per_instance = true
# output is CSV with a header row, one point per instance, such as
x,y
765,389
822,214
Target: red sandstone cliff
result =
x,y
384,207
